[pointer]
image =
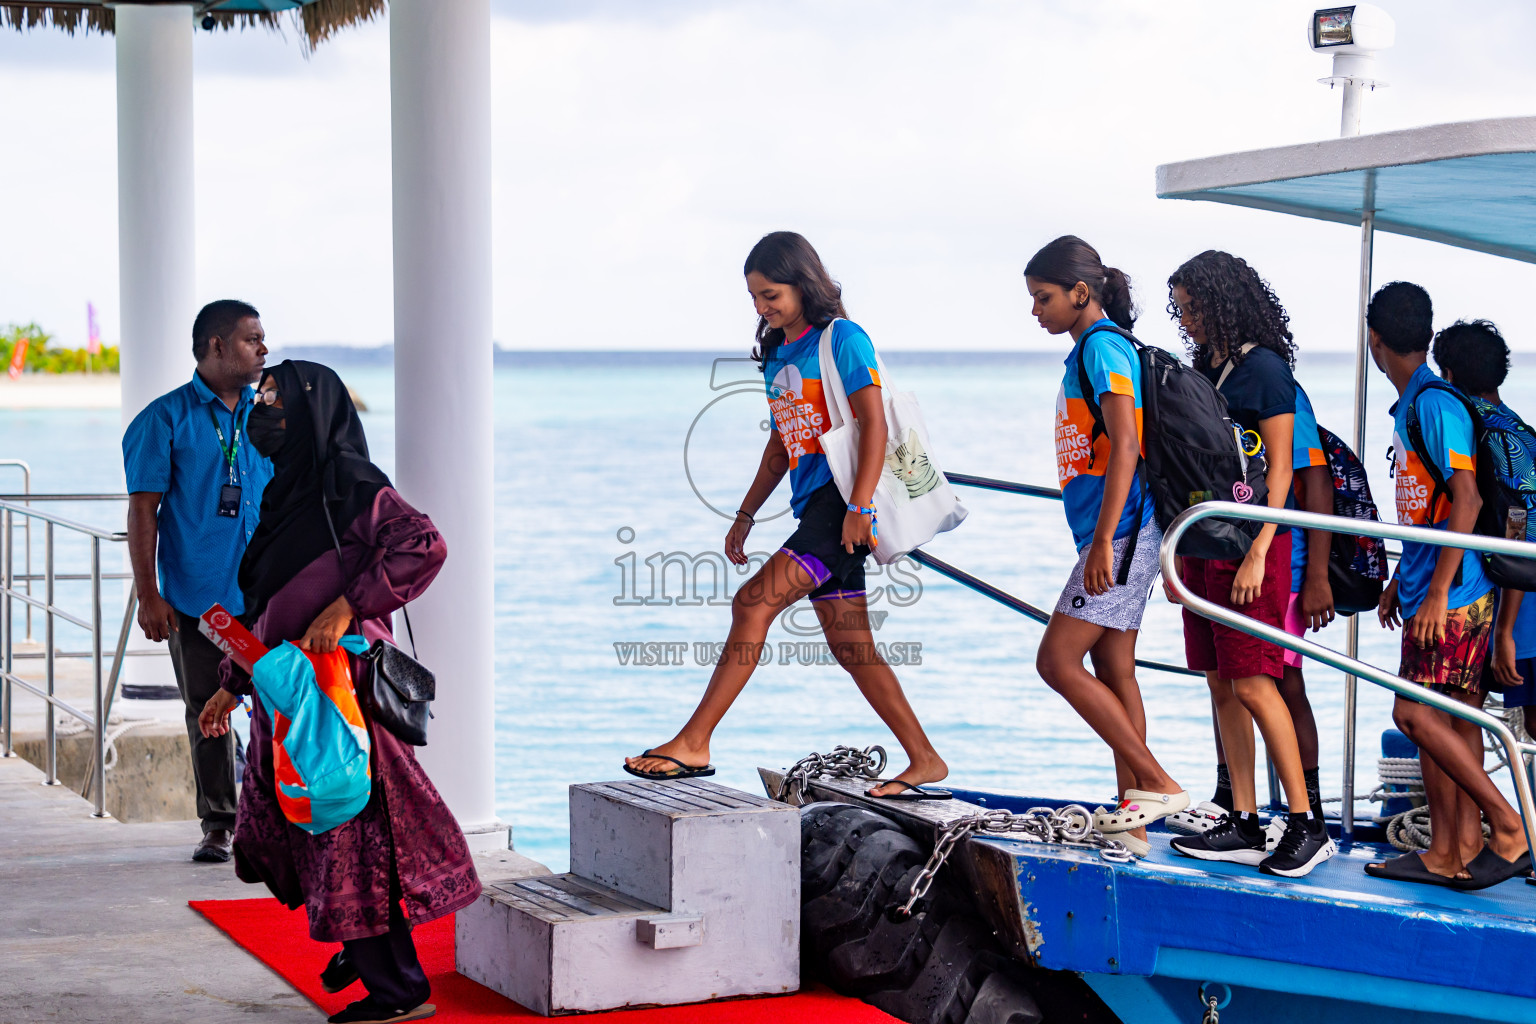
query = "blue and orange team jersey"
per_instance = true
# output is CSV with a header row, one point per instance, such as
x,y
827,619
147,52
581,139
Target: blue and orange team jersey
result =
x,y
1448,439
798,403
1081,459
1306,451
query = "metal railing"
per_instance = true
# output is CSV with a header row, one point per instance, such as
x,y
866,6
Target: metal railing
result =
x,y
1502,734
25,496
999,595
104,680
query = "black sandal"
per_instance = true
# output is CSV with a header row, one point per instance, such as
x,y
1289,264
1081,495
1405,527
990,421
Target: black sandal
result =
x,y
1410,868
913,792
1489,869
682,771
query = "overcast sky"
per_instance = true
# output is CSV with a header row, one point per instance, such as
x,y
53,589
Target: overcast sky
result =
x,y
926,149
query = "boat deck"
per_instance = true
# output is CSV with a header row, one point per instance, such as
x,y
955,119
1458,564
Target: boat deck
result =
x,y
1150,932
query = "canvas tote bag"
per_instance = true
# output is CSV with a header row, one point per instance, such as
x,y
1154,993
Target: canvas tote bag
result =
x,y
913,500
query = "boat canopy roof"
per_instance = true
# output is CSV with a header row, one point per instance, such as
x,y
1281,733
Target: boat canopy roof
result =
x,y
1471,184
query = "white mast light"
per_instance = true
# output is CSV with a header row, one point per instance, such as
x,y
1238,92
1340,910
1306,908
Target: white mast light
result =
x,y
1352,35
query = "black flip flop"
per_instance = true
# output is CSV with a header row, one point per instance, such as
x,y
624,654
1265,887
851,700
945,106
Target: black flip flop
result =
x,y
682,771
912,793
1489,869
1410,868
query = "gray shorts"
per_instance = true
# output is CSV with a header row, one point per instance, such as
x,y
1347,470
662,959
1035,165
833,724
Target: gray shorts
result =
x,y
1120,607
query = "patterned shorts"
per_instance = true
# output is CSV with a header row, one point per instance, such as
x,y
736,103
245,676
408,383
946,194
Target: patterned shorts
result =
x,y
1121,606
1456,664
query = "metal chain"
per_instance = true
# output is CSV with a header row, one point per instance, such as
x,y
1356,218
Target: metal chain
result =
x,y
1211,1016
843,763
1072,825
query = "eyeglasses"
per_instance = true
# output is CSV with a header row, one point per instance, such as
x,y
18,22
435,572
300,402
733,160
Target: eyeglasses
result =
x,y
271,396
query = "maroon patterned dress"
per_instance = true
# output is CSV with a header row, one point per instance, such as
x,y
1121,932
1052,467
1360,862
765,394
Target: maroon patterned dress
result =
x,y
405,842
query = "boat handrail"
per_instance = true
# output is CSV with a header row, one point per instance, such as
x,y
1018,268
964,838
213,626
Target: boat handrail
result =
x,y
1513,747
1020,605
16,587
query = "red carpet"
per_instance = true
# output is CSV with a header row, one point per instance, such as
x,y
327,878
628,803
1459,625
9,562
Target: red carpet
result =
x,y
279,938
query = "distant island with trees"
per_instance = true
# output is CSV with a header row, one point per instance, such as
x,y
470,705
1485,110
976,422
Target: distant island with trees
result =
x,y
39,358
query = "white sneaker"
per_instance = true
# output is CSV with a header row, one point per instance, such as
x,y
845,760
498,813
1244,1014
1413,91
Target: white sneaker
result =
x,y
1192,821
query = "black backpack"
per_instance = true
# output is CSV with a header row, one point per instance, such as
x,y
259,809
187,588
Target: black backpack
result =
x,y
1193,452
1506,481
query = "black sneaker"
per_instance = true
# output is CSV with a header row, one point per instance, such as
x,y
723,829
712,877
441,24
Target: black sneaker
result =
x,y
1239,839
366,1011
338,974
1305,845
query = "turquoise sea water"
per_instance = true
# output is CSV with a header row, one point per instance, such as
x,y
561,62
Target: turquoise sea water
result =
x,y
606,467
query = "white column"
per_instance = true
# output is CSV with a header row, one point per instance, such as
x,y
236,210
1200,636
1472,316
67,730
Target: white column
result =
x,y
155,218
155,248
440,94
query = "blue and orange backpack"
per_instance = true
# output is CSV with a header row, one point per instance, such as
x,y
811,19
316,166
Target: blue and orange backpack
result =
x,y
320,743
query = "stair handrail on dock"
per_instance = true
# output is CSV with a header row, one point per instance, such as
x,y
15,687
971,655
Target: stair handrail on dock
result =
x,y
18,509
1501,732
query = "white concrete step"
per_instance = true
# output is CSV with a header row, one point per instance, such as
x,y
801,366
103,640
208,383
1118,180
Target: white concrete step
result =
x,y
679,892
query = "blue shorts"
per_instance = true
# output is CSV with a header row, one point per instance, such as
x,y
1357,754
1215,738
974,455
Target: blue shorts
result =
x,y
1524,695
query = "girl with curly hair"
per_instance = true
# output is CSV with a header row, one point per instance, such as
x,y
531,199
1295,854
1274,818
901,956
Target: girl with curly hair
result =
x,y
1238,336
796,300
1098,446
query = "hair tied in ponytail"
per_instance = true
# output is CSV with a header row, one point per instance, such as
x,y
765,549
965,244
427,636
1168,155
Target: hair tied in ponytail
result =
x,y
1067,260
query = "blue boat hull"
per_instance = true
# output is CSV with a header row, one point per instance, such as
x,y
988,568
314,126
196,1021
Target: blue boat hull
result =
x,y
1337,945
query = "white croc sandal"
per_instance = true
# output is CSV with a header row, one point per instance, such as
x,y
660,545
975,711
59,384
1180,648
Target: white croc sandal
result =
x,y
1139,808
1139,847
1201,817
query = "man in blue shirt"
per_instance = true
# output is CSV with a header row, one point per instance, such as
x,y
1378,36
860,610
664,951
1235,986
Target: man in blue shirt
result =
x,y
195,488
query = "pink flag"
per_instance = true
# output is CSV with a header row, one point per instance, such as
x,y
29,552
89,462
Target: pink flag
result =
x,y
93,341
18,357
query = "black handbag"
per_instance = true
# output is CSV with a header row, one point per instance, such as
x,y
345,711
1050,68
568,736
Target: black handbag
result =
x,y
399,689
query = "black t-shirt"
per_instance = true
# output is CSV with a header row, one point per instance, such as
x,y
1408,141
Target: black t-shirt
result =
x,y
1259,387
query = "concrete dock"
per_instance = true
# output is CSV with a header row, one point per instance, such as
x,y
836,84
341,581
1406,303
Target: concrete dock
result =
x,y
96,926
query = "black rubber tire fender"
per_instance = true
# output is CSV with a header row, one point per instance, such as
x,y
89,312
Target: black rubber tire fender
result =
x,y
830,834
894,950
962,957
866,890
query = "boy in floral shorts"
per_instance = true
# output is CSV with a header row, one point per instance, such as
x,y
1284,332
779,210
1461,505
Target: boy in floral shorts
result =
x,y
1444,602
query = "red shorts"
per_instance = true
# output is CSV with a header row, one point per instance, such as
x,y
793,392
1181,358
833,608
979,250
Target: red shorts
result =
x,y
1230,653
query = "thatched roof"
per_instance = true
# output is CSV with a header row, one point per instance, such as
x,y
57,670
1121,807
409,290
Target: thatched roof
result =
x,y
318,20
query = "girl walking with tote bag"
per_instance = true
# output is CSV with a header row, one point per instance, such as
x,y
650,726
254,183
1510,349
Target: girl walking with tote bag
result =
x,y
824,558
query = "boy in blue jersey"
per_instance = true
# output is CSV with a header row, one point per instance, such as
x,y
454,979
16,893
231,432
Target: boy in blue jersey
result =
x,y
1444,602
1474,357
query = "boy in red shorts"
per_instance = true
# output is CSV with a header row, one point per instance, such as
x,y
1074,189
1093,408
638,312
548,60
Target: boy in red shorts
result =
x,y
1444,601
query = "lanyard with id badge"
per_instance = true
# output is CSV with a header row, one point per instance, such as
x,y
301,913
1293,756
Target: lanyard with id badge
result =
x,y
229,493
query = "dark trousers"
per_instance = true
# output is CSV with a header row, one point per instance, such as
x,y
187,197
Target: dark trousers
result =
x,y
388,965
196,661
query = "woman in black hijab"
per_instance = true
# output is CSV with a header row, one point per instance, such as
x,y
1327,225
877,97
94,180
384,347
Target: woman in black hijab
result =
x,y
337,551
